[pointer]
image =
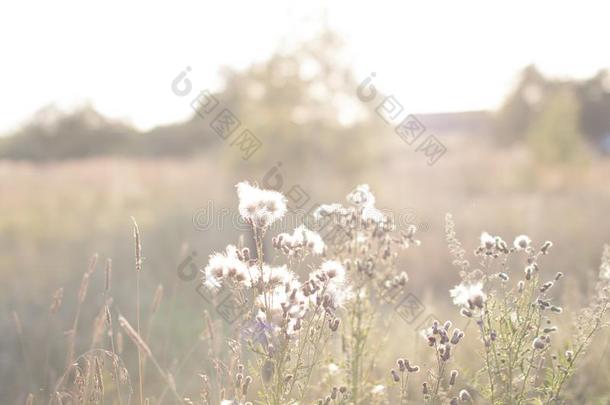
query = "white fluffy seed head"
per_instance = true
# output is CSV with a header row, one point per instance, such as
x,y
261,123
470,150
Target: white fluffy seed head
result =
x,y
522,242
260,207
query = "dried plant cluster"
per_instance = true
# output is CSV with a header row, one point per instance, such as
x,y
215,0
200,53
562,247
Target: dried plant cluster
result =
x,y
311,319
515,314
292,320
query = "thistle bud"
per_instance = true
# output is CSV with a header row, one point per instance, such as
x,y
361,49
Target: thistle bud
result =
x,y
465,395
453,377
543,303
502,245
247,382
457,335
245,252
538,343
410,368
546,286
444,336
466,312
546,246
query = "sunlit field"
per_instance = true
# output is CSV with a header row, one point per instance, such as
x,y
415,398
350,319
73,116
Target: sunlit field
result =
x,y
181,325
282,203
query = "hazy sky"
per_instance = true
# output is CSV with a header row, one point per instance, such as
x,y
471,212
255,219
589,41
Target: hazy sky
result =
x,y
121,56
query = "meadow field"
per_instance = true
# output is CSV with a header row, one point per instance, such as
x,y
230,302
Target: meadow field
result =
x,y
66,322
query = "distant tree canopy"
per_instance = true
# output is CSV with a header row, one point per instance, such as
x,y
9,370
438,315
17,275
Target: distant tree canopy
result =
x,y
300,104
306,100
529,104
55,135
555,136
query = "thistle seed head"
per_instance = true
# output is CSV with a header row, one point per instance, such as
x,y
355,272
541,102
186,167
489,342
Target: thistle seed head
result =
x,y
465,395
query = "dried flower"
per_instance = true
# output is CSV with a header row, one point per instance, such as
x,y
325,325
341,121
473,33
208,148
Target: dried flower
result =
x,y
226,266
453,377
546,286
361,196
539,343
487,241
466,312
522,242
469,294
546,246
300,242
465,395
260,207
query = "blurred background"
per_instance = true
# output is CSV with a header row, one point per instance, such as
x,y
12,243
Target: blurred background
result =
x,y
499,115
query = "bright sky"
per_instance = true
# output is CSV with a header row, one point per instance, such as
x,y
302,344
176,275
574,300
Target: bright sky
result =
x,y
121,56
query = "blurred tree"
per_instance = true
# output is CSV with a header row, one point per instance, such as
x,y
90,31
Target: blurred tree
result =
x,y
555,135
521,106
52,134
594,96
302,105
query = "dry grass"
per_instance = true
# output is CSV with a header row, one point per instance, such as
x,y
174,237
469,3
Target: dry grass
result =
x,y
191,354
